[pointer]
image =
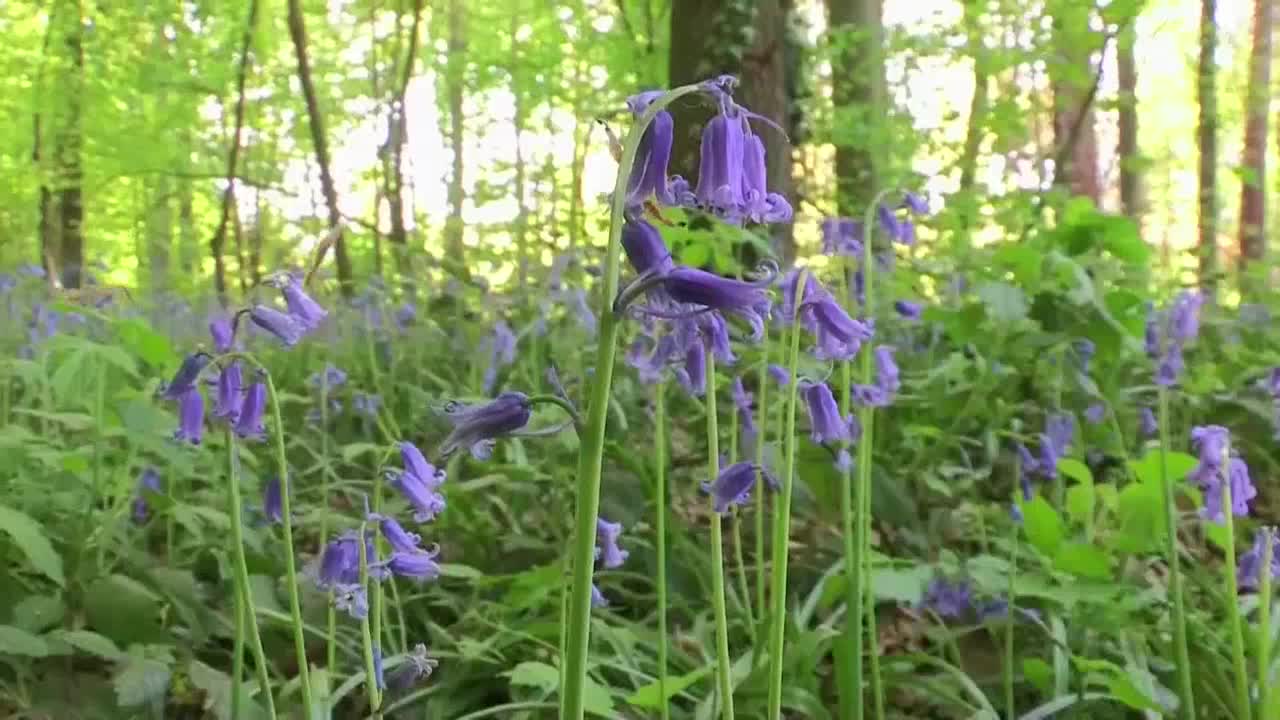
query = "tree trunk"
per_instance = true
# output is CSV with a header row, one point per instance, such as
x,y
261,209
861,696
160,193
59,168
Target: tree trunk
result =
x,y
49,245
518,119
398,136
1253,215
298,34
856,91
1206,91
1127,148
70,170
764,90
456,79
160,233
1073,117
217,245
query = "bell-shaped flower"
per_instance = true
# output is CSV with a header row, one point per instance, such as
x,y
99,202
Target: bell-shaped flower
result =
x,y
732,486
478,427
186,377
273,500
645,249
190,417
149,481
419,483
842,236
1249,569
648,177
302,307
908,310
720,168
249,424
222,332
283,326
825,422
607,551
230,394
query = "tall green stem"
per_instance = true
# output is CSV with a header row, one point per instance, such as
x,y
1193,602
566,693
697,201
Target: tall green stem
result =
x,y
290,564
851,675
782,521
241,573
331,613
1182,658
660,510
1263,661
366,636
762,427
739,565
724,666
1244,709
237,652
1009,660
591,448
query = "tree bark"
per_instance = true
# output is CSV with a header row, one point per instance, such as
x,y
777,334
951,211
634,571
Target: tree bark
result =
x,y
1131,200
398,136
70,170
518,120
298,34
49,245
217,245
455,73
856,91
764,90
1253,215
1207,137
1073,117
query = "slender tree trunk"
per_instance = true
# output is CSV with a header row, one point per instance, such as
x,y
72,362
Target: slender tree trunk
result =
x,y
856,91
257,231
217,245
975,132
1073,117
398,131
188,250
765,91
455,72
1253,216
160,232
518,120
70,170
1127,148
49,245
298,34
384,188
580,135
1208,139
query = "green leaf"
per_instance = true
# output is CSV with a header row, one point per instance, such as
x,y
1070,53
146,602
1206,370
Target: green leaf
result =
x,y
1123,687
354,450
1042,525
16,641
596,699
139,339
27,534
648,696
1005,303
142,681
90,642
1080,502
463,572
1140,517
35,613
531,673
1083,560
1075,470
1147,468
217,692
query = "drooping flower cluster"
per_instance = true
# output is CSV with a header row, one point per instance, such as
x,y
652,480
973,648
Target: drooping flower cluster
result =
x,y
149,481
1169,331
303,316
733,486
1055,441
609,555
477,428
954,600
837,335
326,384
1249,569
1217,465
881,392
844,236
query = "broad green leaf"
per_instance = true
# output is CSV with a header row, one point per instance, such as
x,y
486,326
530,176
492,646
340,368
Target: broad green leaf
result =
x,y
354,450
16,641
1080,502
1141,518
531,673
1042,525
1075,470
1083,560
27,534
142,681
1005,303
35,613
1125,690
648,696
89,642
1039,673
1147,467
596,699
138,338
217,692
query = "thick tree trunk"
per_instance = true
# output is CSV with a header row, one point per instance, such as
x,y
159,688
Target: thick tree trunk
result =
x,y
1253,215
1127,148
1207,136
298,34
764,90
857,93
1073,117
217,245
455,72
70,170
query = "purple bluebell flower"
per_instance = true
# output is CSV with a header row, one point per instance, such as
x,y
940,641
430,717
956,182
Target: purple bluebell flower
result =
x,y
222,332
887,376
406,316
366,404
844,461
1212,443
379,678
644,247
790,288
273,500
948,599
742,401
780,375
249,424
607,551
650,358
732,486
1249,569
648,177
351,599
759,205
416,565
302,307
478,427
415,666
331,377
899,230
839,336
1085,350
7,283
419,483
1059,428
1147,425
915,203
1095,413
693,375
908,310
397,537
826,423
149,481
186,377
284,327
598,600
339,564
230,393
1184,317
190,417
1151,332
842,236
747,300
720,170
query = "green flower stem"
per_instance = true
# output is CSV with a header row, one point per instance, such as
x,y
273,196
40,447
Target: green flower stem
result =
x,y
1244,709
782,522
237,652
591,448
736,518
762,425
1263,661
851,673
660,508
1187,707
331,621
1009,659
724,665
376,606
366,635
241,575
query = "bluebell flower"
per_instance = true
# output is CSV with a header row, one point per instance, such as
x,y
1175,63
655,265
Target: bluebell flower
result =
x,y
759,205
149,481
650,358
190,417
1184,317
399,539
7,283
747,300
273,500
742,401
1026,466
908,310
249,424
780,375
915,203
1085,350
887,376
340,562
222,332
645,249
1095,413
826,423
1249,569
1180,324
844,461
732,486
719,188
648,177
406,316
331,377
948,599
1059,428
607,551
842,236
284,327
315,416
351,599
415,666
302,307
693,375
1212,443
598,600
478,427
419,483
839,336
1147,425
366,404
186,377
417,565
230,393
378,675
